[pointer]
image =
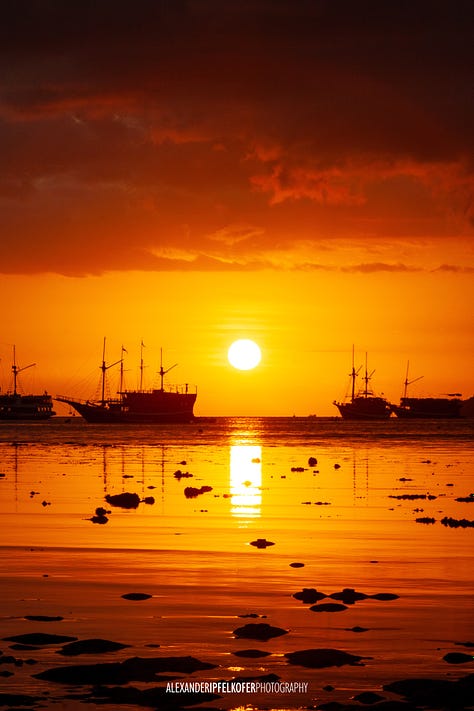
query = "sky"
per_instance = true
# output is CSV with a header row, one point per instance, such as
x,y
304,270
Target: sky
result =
x,y
189,172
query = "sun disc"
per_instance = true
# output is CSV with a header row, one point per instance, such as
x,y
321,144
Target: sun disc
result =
x,y
244,354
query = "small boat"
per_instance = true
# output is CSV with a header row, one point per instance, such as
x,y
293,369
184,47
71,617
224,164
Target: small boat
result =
x,y
438,408
16,406
364,405
160,405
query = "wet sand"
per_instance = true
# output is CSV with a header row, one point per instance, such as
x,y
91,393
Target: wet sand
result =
x,y
183,595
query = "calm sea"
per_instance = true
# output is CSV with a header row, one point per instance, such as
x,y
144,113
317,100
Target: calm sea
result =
x,y
380,508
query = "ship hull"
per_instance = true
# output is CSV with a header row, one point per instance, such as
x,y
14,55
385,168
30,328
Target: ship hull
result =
x,y
172,408
26,407
364,408
428,408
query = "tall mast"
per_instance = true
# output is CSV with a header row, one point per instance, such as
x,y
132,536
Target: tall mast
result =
x,y
353,375
104,369
16,369
162,371
142,346
409,382
367,377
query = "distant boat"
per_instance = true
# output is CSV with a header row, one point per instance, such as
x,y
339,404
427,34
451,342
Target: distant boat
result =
x,y
364,405
438,408
137,406
15,406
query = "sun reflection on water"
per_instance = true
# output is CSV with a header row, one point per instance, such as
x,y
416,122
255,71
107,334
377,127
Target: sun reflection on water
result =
x,y
246,480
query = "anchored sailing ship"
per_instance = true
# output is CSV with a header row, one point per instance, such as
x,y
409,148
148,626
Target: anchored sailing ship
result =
x,y
140,406
364,405
427,407
15,406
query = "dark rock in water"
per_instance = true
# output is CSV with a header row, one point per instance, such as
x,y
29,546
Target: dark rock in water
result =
x,y
261,543
456,522
133,669
466,499
458,658
259,630
191,492
123,501
136,596
357,629
425,519
251,653
368,697
150,500
40,638
17,700
348,596
24,647
464,644
384,596
90,646
436,693
182,475
412,497
296,565
328,607
250,614
309,596
98,519
320,658
43,618
312,462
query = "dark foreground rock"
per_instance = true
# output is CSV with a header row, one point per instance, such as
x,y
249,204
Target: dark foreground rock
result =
x,y
133,669
259,630
123,501
90,646
40,638
320,658
436,693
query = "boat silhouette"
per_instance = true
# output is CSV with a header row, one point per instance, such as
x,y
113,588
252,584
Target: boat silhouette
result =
x,y
363,405
16,406
439,408
157,405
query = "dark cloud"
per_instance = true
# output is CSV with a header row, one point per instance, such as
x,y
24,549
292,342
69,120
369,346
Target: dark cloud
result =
x,y
202,134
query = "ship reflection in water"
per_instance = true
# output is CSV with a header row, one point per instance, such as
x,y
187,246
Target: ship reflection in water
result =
x,y
246,480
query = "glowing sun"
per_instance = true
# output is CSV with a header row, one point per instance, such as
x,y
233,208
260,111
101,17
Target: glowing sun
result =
x,y
244,354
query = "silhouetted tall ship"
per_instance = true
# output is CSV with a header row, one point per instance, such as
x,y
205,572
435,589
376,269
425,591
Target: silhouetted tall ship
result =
x,y
140,406
16,406
364,405
438,408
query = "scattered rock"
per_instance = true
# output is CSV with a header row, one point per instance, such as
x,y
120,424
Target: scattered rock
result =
x,y
320,658
348,596
296,565
40,638
136,596
412,497
123,501
425,519
466,499
182,475
384,596
368,697
251,653
357,629
312,462
133,669
90,646
259,630
309,596
457,523
328,607
43,618
261,543
458,658
191,492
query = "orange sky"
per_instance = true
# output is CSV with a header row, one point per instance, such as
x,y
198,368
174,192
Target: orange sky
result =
x,y
193,172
